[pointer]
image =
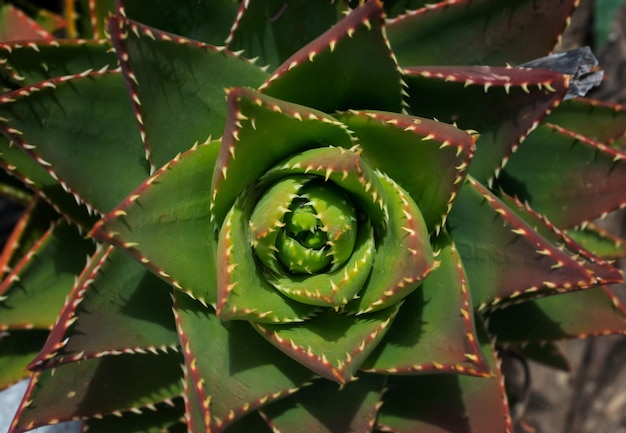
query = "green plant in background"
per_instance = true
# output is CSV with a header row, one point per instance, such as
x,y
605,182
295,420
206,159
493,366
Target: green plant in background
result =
x,y
604,13
340,239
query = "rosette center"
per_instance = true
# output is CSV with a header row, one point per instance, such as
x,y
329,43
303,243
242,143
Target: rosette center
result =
x,y
316,231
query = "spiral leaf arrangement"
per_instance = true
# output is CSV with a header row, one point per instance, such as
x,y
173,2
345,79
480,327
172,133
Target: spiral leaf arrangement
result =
x,y
346,238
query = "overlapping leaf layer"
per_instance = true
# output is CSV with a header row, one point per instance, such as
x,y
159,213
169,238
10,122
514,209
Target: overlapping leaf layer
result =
x,y
277,216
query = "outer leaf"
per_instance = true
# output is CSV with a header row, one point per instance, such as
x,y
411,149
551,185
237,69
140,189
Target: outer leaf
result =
x,y
349,66
112,384
149,225
157,420
15,25
434,330
448,403
107,313
205,20
493,32
603,270
35,290
575,315
11,188
197,402
598,240
31,63
596,120
34,222
426,158
503,256
23,167
17,348
502,104
553,172
167,76
250,423
77,156
45,18
275,29
325,407
394,8
235,368
332,345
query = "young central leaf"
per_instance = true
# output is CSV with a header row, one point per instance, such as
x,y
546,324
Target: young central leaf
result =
x,y
305,233
302,245
320,229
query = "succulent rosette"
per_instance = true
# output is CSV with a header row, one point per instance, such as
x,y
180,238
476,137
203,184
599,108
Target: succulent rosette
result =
x,y
329,246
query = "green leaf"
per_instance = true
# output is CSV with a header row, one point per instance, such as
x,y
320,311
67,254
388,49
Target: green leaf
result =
x,y
349,66
55,125
393,8
603,270
565,176
107,313
25,168
446,402
599,121
243,292
31,63
502,255
233,366
167,78
426,158
275,29
10,187
332,288
15,25
17,348
485,32
100,386
434,330
204,20
331,344
34,292
197,403
325,407
260,132
574,315
599,241
48,20
250,423
502,104
157,420
404,257
149,225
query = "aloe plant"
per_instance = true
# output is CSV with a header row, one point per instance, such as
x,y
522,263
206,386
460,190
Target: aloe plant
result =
x,y
286,216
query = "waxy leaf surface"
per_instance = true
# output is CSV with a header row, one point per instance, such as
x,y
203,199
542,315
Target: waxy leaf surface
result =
x,y
174,81
493,32
239,370
348,67
150,225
